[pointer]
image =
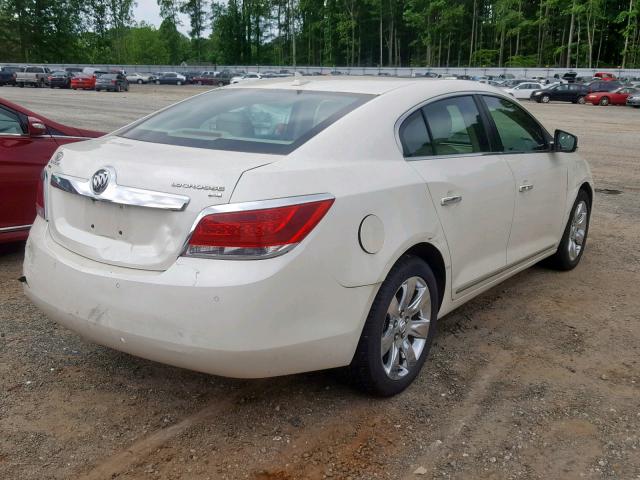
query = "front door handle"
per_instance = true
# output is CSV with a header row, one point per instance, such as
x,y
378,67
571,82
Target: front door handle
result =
x,y
526,187
450,200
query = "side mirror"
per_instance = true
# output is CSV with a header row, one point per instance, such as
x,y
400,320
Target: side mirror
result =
x,y
36,127
564,142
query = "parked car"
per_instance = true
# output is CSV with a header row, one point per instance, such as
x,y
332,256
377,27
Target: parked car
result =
x,y
603,86
34,76
60,79
246,77
634,100
616,97
27,142
524,90
138,78
207,78
74,69
225,76
569,77
562,92
8,75
170,78
178,257
189,76
85,81
112,82
605,76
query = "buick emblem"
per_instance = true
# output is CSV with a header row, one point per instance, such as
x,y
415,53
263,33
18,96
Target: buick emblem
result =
x,y
100,181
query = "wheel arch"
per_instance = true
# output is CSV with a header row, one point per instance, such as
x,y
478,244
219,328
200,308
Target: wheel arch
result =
x,y
433,257
586,186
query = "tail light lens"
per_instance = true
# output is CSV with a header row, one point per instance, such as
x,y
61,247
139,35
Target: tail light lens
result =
x,y
256,233
40,204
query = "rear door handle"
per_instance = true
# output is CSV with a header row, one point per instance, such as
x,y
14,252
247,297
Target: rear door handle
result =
x,y
526,187
450,200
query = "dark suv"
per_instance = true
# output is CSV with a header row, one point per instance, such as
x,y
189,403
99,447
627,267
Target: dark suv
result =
x,y
115,82
564,92
8,75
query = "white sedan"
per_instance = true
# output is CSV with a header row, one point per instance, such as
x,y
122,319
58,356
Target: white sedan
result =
x,y
246,77
524,90
138,78
285,226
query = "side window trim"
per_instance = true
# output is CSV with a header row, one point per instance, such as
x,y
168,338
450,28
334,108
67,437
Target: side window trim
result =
x,y
495,144
492,126
429,134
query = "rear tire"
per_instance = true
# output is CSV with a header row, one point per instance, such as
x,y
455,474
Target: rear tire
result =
x,y
574,239
581,100
402,320
139,82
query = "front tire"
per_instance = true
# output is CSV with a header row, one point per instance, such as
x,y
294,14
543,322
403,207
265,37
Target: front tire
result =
x,y
574,239
397,334
604,101
545,99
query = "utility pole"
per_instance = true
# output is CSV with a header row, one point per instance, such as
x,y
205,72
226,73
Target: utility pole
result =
x,y
292,27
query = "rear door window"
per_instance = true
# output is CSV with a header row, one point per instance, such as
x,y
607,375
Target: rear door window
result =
x,y
456,126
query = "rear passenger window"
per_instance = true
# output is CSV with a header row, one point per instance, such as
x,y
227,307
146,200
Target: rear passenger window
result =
x,y
456,126
518,132
414,136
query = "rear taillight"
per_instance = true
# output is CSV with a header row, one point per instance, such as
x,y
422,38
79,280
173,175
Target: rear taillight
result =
x,y
40,204
257,230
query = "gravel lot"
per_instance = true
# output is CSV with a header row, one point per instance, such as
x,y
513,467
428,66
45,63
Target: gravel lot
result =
x,y
537,378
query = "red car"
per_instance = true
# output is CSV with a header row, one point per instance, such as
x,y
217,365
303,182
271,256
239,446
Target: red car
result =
x,y
27,142
607,77
615,97
83,81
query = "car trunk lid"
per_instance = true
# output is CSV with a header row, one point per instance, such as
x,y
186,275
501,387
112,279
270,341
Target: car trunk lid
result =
x,y
154,193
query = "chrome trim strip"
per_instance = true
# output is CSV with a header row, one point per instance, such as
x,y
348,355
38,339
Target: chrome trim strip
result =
x,y
511,266
17,228
120,194
246,206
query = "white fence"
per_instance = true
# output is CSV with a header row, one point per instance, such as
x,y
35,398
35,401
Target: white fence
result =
x,y
399,71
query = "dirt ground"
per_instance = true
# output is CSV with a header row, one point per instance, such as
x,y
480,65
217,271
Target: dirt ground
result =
x,y
538,378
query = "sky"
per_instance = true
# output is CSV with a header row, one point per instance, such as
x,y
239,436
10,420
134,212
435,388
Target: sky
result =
x,y
149,12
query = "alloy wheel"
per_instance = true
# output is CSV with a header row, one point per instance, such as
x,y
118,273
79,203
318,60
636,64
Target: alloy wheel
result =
x,y
578,230
406,327
545,99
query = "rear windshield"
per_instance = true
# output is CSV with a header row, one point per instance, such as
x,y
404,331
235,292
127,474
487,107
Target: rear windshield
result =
x,y
247,120
109,76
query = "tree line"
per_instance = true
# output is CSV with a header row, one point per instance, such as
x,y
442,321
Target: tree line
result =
x,y
420,33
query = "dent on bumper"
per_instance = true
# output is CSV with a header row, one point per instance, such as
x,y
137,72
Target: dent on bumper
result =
x,y
202,314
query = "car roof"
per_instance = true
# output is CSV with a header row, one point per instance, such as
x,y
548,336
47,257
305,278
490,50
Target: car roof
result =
x,y
366,85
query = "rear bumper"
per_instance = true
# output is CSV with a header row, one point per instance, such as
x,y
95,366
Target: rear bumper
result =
x,y
234,318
